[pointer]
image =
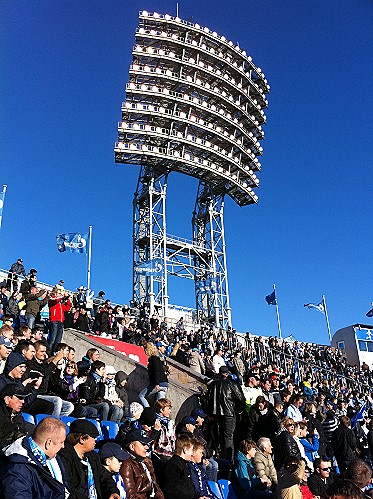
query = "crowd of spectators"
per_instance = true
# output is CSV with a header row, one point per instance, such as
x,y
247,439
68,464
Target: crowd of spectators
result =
x,y
277,419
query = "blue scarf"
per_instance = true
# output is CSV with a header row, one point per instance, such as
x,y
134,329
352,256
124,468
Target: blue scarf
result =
x,y
96,377
92,492
38,454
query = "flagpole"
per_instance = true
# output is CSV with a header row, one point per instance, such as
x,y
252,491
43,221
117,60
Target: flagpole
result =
x,y
4,191
278,315
327,318
89,257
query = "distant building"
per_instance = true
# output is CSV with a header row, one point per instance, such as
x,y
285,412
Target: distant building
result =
x,y
356,342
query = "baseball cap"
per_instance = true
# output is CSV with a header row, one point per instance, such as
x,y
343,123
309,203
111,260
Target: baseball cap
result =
x,y
4,341
189,420
85,427
12,389
197,413
113,450
160,344
136,436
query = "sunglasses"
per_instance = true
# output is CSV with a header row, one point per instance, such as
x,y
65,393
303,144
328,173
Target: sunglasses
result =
x,y
326,469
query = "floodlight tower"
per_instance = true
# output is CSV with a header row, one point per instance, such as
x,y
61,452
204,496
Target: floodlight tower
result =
x,y
194,105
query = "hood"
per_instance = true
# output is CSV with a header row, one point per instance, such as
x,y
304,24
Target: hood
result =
x,y
15,359
16,447
120,376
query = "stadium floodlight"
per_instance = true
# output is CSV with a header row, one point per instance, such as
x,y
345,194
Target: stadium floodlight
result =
x,y
195,105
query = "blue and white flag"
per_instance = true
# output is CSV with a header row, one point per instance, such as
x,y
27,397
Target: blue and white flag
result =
x,y
152,267
271,299
319,307
207,286
74,242
2,196
359,416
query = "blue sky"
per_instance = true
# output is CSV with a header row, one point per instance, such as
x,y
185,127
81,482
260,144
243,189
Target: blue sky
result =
x,y
64,65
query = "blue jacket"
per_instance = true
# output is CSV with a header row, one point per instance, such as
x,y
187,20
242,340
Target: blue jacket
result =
x,y
23,477
245,472
310,449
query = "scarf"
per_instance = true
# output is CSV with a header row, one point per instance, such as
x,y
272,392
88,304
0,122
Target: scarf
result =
x,y
96,377
92,492
120,484
38,454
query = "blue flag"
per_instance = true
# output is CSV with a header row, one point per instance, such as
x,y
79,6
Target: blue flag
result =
x,y
370,313
271,299
150,267
359,416
74,242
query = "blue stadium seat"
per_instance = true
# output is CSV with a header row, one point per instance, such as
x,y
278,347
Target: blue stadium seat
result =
x,y
109,429
215,489
67,420
28,418
40,417
227,489
97,424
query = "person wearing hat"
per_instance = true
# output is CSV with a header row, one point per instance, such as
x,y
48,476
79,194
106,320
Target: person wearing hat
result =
x,y
34,468
15,270
137,471
157,371
252,389
111,395
224,400
112,455
12,424
86,477
6,347
121,380
187,427
14,372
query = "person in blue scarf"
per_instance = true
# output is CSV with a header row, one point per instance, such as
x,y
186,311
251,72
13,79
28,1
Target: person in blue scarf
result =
x,y
112,455
197,473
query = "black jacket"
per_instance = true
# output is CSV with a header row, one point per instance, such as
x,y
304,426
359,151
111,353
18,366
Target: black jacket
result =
x,y
284,446
12,426
178,481
45,369
76,474
156,370
344,445
91,391
318,487
225,398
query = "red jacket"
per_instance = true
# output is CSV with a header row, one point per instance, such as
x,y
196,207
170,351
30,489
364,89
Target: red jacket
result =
x,y
57,309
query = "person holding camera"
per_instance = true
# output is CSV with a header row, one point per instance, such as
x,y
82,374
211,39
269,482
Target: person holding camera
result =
x,y
59,302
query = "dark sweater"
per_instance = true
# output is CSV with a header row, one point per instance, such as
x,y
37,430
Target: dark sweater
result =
x,y
178,481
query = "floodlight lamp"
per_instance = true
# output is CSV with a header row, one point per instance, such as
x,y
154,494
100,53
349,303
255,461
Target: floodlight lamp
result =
x,y
158,70
218,129
212,50
169,72
191,60
196,159
205,162
201,63
193,118
216,148
189,78
133,146
244,184
155,149
220,169
210,125
182,115
135,67
204,104
226,76
138,48
174,36
207,85
214,33
213,107
194,43
203,46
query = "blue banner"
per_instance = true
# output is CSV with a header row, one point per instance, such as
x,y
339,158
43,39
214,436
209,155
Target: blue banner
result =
x,y
364,334
208,286
74,242
150,267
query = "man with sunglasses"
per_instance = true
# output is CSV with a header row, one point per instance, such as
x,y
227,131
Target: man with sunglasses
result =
x,y
322,477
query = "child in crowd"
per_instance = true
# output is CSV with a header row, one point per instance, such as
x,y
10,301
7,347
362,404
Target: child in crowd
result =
x,y
112,456
197,471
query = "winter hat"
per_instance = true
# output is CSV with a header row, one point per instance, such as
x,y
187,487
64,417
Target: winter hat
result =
x,y
136,408
15,359
147,417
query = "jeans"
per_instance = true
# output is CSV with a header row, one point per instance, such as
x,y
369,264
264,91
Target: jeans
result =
x,y
115,413
55,334
212,470
150,390
102,410
30,320
227,425
61,407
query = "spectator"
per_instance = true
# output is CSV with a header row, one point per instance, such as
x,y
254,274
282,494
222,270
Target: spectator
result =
x,y
308,450
80,320
92,391
344,489
111,395
164,445
263,462
121,379
24,332
225,399
360,473
286,446
15,270
178,481
26,348
12,424
157,371
218,360
112,456
137,471
6,347
196,362
84,365
197,471
252,389
322,477
34,469
34,303
256,411
59,303
290,477
293,411
344,444
248,483
37,334
86,477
